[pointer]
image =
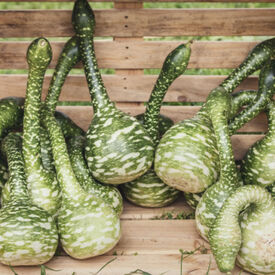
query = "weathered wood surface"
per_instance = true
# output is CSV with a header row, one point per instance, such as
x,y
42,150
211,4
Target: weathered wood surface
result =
x,y
82,115
125,265
144,22
126,88
139,54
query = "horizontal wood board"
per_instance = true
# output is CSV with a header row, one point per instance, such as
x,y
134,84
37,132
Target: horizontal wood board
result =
x,y
142,22
126,88
139,54
141,1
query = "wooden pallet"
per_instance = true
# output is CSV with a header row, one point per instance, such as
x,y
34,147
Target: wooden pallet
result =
x,y
147,243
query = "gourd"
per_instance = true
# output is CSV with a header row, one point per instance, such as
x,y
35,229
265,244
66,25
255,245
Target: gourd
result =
x,y
187,157
68,58
109,194
149,190
239,99
42,184
87,225
10,113
258,166
214,197
249,237
28,234
118,149
3,174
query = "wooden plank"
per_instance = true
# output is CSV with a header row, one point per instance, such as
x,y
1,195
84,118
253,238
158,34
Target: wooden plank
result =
x,y
127,88
82,115
139,54
125,265
144,22
133,212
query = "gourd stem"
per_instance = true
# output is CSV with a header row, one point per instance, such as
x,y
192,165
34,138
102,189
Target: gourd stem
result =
x,y
265,93
12,148
260,54
84,24
31,137
174,65
225,235
69,185
67,60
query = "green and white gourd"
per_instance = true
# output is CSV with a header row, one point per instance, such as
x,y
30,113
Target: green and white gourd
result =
x,y
149,190
68,58
258,166
10,113
109,194
87,225
28,234
118,149
249,237
42,184
239,99
214,197
187,157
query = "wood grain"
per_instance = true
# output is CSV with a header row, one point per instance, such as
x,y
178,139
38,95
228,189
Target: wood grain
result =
x,y
144,22
126,88
139,54
82,115
125,265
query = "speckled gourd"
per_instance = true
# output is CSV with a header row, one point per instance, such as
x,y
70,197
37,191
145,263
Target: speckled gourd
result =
x,y
258,166
149,190
42,184
239,99
118,149
109,194
87,225
28,234
68,58
214,197
249,237
187,157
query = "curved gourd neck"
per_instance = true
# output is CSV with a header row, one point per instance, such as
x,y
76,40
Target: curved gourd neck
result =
x,y
265,92
218,106
259,55
39,56
174,65
271,118
225,235
84,24
67,60
70,187
12,148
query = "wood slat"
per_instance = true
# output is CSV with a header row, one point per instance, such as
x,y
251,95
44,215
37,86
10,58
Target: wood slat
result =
x,y
127,88
82,115
133,212
147,22
139,54
125,265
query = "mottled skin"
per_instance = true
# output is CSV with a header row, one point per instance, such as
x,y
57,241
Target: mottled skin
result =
x,y
191,144
87,225
109,194
258,166
239,99
42,184
113,137
218,106
149,190
11,113
249,237
28,234
3,173
164,123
